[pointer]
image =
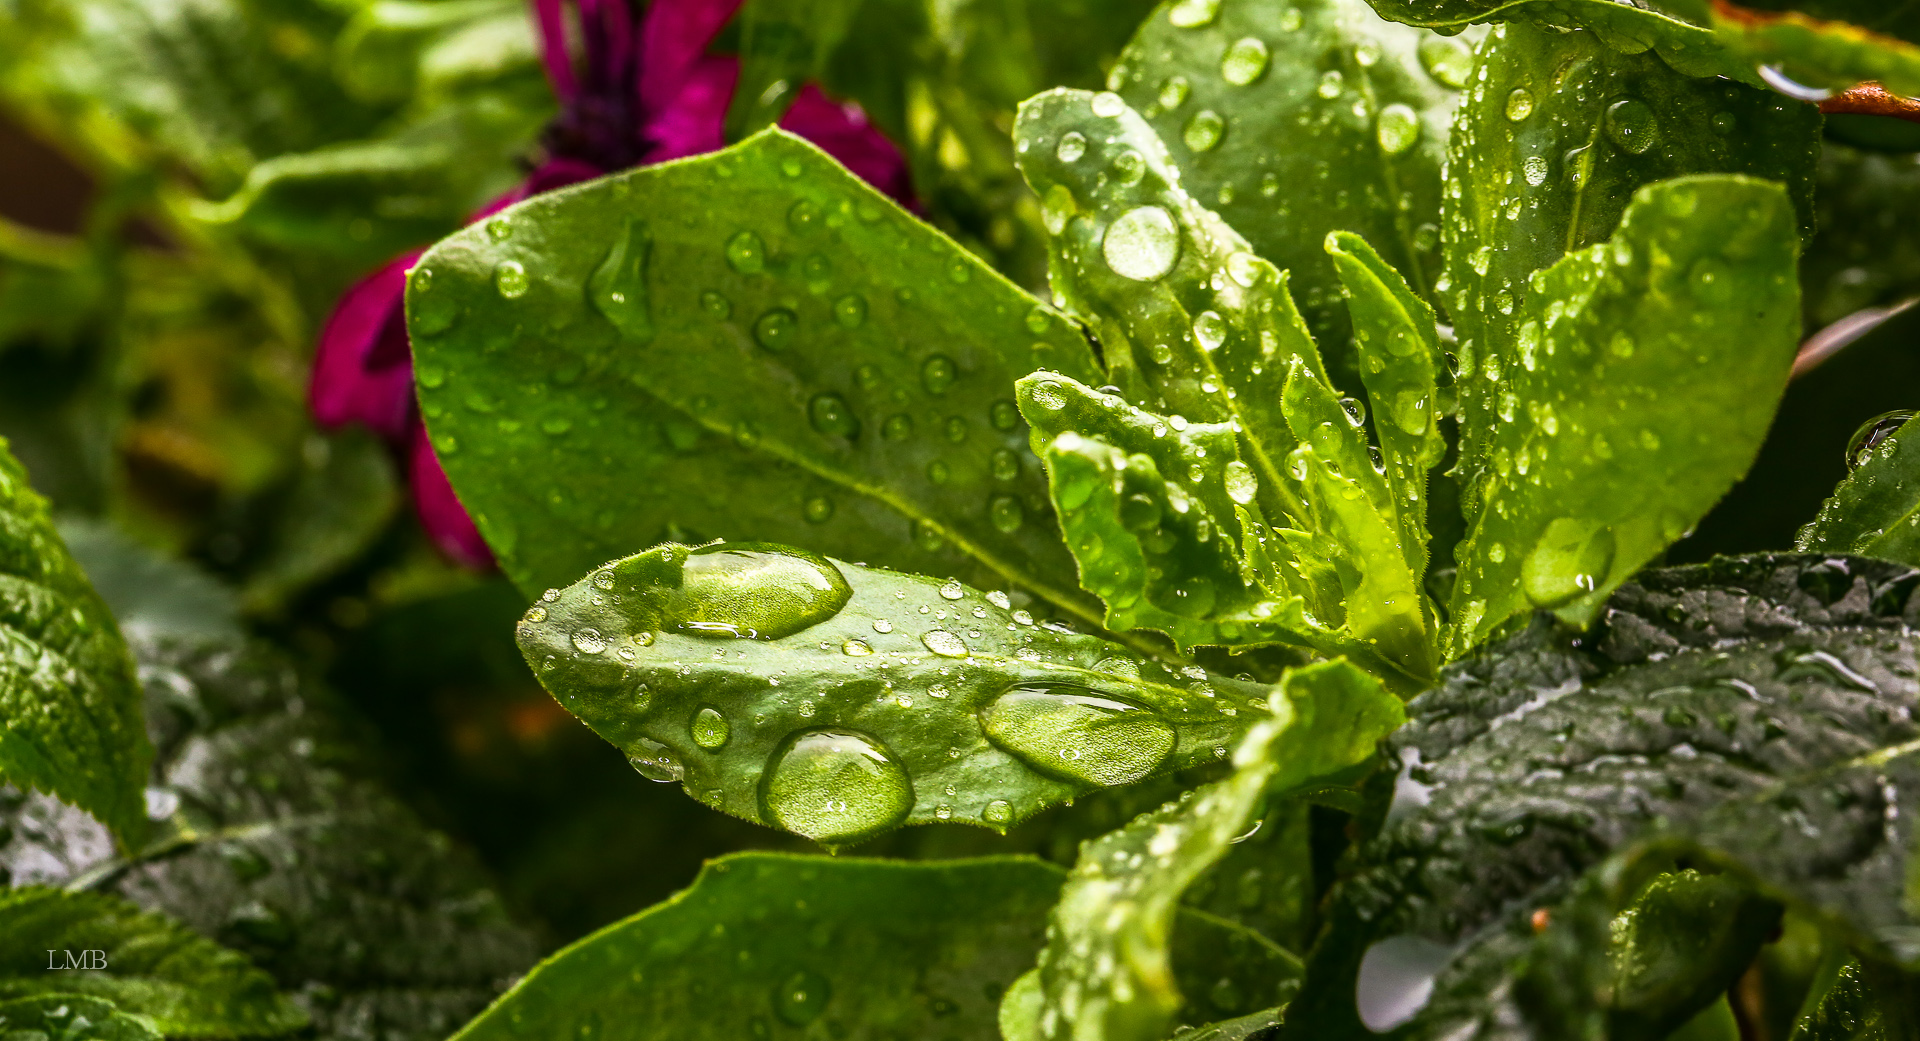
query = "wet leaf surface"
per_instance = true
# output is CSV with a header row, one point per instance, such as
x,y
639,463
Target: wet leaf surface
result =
x,y
1876,511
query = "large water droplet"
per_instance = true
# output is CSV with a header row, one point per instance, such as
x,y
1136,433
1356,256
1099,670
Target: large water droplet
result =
x,y
1397,128
937,374
1571,558
1142,244
775,330
1519,104
744,590
1073,145
655,761
746,253
830,414
1872,434
1204,130
999,811
836,786
510,278
1079,734
710,728
944,643
1047,395
1209,330
1242,485
1129,166
1631,125
1005,464
618,287
1107,104
1192,14
1396,980
801,998
1245,61
1534,168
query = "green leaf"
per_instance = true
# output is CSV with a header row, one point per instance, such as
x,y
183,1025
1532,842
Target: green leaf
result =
x,y
1293,121
1106,974
69,703
152,597
805,363
839,701
1642,378
71,1017
1875,511
1866,1002
1857,257
875,949
342,500
1755,714
154,967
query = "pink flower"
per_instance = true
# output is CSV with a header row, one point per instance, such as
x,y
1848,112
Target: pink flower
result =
x,y
642,94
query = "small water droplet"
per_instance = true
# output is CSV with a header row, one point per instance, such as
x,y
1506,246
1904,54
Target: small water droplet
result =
x,y
1192,14
1332,82
1107,104
829,414
1006,514
746,253
1047,395
850,311
710,728
1397,128
881,625
818,510
854,647
999,811
803,216
1005,464
1245,61
655,761
775,330
1519,104
801,998
510,278
1073,145
836,786
1631,125
1209,330
937,374
618,287
1872,434
716,306
1142,244
898,427
1241,484
1535,170
1711,281
1078,734
1204,130
1173,93
589,641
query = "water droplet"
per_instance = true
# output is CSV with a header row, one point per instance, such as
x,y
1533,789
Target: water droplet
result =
x,y
1073,145
802,998
1245,61
1535,170
1078,734
1519,104
850,311
1397,128
1107,104
510,278
1005,415
1209,330
1396,980
1006,514
655,761
1723,122
830,414
898,427
1872,434
836,786
1142,244
1631,125
1332,82
937,374
1447,59
999,811
710,728
1242,485
881,625
742,590
818,510
1005,464
1572,557
618,287
944,644
716,306
855,647
589,641
1192,14
938,471
1047,395
1204,130
1173,93
1711,281
746,253
499,229
775,330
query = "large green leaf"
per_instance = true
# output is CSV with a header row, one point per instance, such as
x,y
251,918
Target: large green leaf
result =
x,y
1876,511
69,703
1864,1002
840,701
769,944
1860,255
1295,120
154,967
1106,972
1637,389
753,345
71,1017
1755,714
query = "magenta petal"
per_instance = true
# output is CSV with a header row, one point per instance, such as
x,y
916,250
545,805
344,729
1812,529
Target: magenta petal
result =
x,y
362,371
441,514
673,38
843,131
696,120
550,16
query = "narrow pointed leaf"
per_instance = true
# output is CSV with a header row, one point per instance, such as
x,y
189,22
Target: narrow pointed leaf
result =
x,y
1296,120
182,983
875,950
821,369
70,721
1646,373
840,701
1876,511
1105,974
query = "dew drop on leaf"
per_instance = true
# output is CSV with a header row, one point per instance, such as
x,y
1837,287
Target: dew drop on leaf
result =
x,y
1205,129
836,786
1519,104
1535,170
819,510
855,647
801,998
1047,395
1242,485
1173,93
618,287
510,278
1107,104
1078,734
710,728
589,641
742,592
1397,128
746,254
1073,145
1129,167
1572,557
1209,330
1142,244
1192,14
898,427
830,414
1245,61
802,217
1447,59
937,374
850,311
1006,514
1005,464
655,761
1630,124
944,643
775,330
1872,434
999,811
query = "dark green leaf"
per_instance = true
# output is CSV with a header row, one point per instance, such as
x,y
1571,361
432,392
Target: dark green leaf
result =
x,y
870,950
154,967
69,702
1106,973
70,1017
1295,120
804,363
1859,256
1636,389
152,597
1866,1002
342,500
1756,714
839,701
1876,511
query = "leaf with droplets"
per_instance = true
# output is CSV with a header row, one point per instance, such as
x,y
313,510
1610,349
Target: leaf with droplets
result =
x,y
626,361
1864,1001
154,967
1876,511
839,701
72,1017
1642,379
1105,974
69,703
876,949
1296,120
1755,714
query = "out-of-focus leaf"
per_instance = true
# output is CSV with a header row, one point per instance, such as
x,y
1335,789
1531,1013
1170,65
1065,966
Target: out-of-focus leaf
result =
x,y
69,702
151,596
153,967
342,500
1105,974
380,51
1636,390
876,949
277,840
1864,1003
627,361
1295,120
1860,255
71,1017
1755,714
1876,511
839,702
